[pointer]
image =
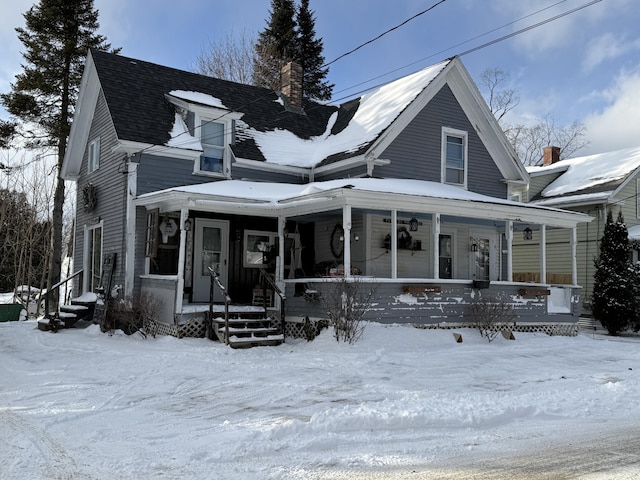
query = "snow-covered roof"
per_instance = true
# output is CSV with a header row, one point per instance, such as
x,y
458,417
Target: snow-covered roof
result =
x,y
376,193
587,178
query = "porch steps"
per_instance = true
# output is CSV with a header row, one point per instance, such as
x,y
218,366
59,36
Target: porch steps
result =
x,y
78,313
248,331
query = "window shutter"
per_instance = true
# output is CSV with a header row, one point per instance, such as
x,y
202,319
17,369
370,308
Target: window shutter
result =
x,y
151,243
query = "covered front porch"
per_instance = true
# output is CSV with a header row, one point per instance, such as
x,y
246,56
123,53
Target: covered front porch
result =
x,y
427,249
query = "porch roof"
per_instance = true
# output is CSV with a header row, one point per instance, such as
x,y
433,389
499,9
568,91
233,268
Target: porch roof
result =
x,y
289,200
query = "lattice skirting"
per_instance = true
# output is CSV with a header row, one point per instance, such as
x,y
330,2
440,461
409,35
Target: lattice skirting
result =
x,y
303,328
557,329
194,328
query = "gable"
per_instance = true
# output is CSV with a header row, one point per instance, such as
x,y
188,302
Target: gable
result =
x,y
416,150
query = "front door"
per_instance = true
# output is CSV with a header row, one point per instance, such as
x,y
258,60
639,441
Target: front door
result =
x,y
211,249
483,256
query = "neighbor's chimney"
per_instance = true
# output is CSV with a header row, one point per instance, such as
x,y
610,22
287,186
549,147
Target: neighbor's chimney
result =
x,y
291,83
550,155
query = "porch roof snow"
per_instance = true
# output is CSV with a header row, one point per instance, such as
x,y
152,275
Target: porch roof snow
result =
x,y
280,195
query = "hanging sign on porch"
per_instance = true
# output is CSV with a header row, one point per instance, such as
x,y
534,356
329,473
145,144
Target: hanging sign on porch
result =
x,y
168,228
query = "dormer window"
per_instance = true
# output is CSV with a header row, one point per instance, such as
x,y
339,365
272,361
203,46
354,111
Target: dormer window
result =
x,y
212,137
454,157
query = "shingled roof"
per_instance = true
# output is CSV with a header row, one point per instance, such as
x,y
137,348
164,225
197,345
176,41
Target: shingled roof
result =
x,y
136,93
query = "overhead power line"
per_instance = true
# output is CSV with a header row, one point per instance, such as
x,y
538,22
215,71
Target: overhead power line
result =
x,y
384,33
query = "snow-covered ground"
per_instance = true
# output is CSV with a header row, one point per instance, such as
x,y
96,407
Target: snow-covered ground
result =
x,y
80,404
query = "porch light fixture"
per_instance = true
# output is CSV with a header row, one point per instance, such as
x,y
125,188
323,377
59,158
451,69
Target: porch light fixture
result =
x,y
413,224
187,224
474,247
527,234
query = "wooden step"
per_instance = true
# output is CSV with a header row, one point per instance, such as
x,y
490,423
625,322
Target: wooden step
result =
x,y
248,342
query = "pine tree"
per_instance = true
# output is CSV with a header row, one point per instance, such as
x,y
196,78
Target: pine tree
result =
x,y
276,44
613,301
290,35
56,38
309,56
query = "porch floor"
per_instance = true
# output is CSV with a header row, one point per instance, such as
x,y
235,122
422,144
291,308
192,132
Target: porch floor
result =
x,y
204,307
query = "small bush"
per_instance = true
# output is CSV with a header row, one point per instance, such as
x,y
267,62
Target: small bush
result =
x,y
490,316
312,329
135,314
346,305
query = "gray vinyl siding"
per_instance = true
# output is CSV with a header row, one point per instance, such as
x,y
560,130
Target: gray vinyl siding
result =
x,y
110,185
240,173
449,307
416,152
354,172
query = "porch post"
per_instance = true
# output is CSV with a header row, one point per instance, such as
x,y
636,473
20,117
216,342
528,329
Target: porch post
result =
x,y
280,271
574,255
184,213
346,244
543,254
394,244
509,238
130,228
435,220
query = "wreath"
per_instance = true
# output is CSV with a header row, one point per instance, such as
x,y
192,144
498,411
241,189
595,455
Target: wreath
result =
x,y
337,240
404,238
89,197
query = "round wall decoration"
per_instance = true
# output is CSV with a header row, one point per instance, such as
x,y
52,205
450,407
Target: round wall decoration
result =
x,y
337,240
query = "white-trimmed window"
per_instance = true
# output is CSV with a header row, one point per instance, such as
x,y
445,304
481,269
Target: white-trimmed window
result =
x,y
213,136
93,155
258,246
454,157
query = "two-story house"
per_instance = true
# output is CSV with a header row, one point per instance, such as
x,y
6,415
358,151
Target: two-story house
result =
x,y
409,187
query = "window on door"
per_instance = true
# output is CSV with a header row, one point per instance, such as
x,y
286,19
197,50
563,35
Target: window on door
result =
x,y
482,261
445,256
94,257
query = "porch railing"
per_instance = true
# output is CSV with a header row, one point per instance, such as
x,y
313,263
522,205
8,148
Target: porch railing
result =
x,y
215,280
55,288
266,278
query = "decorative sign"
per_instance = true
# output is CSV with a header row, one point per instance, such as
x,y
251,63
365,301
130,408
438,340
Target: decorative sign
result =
x,y
168,228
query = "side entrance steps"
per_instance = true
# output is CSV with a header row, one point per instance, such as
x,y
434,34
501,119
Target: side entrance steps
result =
x,y
78,313
248,328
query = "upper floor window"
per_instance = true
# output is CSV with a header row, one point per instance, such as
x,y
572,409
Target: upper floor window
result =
x,y
94,155
213,139
454,157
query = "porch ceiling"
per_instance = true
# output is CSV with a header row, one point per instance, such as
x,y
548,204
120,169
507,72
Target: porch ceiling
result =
x,y
288,200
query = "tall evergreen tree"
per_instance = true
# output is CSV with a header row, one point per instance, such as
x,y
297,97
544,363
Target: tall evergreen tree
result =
x,y
309,55
56,38
613,300
276,44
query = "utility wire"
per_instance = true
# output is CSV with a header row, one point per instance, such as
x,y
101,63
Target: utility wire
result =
x,y
383,34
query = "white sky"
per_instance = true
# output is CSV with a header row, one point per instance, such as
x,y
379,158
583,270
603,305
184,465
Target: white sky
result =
x,y
402,401
583,67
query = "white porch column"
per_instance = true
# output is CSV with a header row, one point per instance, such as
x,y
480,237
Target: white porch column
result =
x,y
182,249
280,270
394,244
509,238
543,254
435,221
130,229
346,244
574,255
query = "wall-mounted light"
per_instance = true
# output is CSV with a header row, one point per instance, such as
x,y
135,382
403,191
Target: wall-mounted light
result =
x,y
527,234
188,224
413,224
474,247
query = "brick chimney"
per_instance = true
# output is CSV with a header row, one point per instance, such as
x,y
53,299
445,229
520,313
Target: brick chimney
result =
x,y
550,155
291,83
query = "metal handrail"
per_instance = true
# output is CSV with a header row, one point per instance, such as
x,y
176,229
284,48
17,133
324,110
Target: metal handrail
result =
x,y
267,278
227,301
56,287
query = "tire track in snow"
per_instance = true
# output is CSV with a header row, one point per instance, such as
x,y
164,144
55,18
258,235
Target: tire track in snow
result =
x,y
47,452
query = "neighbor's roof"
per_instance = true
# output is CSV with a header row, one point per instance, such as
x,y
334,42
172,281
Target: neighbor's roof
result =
x,y
592,178
136,91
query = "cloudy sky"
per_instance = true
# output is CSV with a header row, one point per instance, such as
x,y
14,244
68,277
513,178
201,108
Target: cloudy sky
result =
x,y
582,67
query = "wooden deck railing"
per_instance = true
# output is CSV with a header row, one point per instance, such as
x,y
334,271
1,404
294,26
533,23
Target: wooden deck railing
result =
x,y
266,278
55,288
